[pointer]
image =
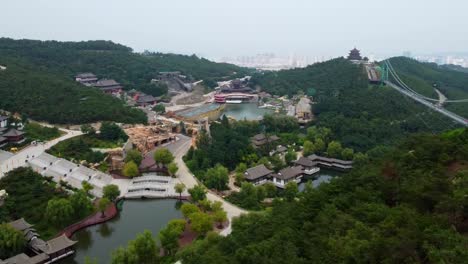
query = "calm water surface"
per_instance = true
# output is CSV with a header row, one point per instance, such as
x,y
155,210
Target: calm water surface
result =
x,y
137,215
249,111
323,176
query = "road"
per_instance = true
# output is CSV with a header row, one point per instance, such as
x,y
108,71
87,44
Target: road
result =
x,y
453,116
19,159
186,177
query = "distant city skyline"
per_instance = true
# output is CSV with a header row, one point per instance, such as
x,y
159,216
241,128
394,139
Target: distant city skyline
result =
x,y
271,61
216,29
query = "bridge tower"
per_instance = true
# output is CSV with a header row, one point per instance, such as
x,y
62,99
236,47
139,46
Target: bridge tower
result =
x,y
384,74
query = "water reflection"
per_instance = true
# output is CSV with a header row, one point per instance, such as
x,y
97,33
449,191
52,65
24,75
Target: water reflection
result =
x,y
178,204
136,216
85,238
323,176
249,111
105,230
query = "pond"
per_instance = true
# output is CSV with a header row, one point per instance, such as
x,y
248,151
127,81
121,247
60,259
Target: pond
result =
x,y
323,176
248,111
136,216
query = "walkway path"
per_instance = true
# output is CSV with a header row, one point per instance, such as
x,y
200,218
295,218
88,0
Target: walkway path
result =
x,y
93,219
19,159
189,180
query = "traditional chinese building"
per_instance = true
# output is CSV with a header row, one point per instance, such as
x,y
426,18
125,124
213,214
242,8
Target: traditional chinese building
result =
x,y
14,136
354,54
86,78
43,251
109,86
258,174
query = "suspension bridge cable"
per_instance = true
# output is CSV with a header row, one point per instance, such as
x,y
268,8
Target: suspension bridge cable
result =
x,y
404,85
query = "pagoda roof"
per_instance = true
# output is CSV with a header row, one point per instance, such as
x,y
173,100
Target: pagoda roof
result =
x,y
13,133
20,224
54,245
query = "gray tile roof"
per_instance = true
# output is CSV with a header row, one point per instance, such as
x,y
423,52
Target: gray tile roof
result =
x,y
289,173
106,83
85,75
257,172
261,139
281,149
314,157
57,244
13,133
302,161
20,224
146,99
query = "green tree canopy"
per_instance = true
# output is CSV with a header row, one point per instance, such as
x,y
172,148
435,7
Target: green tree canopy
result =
x,y
134,155
142,250
159,108
59,211
130,169
197,193
290,156
11,241
290,190
217,177
111,192
87,129
169,236
163,156
112,131
179,188
334,149
173,168
201,223
220,217
309,148
81,204
103,204
187,209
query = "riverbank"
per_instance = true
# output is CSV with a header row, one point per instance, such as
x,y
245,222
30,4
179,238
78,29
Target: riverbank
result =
x,y
94,219
100,240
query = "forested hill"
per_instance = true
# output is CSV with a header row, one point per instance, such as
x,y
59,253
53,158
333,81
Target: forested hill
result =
x,y
39,78
109,60
360,115
325,78
41,95
424,77
408,207
455,68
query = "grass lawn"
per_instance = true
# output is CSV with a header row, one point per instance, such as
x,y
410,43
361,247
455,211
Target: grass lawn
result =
x,y
34,131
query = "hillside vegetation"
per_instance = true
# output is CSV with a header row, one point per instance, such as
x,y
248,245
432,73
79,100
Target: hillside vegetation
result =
x,y
409,206
423,77
109,60
43,96
39,78
360,115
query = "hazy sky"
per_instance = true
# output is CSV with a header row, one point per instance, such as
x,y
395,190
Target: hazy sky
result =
x,y
215,28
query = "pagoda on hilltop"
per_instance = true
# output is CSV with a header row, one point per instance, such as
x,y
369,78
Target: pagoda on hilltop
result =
x,y
354,54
